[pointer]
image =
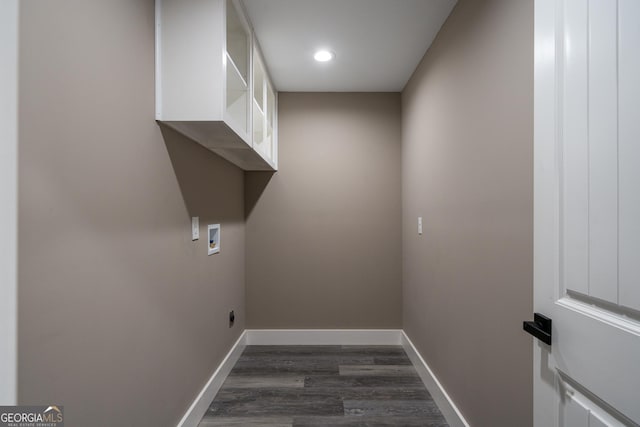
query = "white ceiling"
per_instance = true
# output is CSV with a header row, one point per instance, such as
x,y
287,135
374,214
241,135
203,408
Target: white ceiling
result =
x,y
378,43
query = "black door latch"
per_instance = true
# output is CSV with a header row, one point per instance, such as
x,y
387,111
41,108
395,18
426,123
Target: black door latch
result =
x,y
539,328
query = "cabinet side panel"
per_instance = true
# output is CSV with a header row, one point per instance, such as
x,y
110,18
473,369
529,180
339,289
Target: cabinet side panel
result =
x,y
190,41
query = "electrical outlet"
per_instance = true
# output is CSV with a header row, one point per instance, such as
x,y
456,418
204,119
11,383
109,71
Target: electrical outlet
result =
x,y
420,225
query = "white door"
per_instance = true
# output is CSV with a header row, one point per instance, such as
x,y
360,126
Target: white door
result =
x,y
587,212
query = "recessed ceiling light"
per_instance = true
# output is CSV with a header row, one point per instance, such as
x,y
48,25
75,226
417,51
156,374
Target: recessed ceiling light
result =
x,y
324,56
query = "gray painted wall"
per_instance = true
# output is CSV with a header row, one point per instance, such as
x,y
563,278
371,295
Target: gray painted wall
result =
x,y
467,164
122,318
323,234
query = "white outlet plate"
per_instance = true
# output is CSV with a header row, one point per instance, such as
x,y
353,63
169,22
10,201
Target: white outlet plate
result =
x,y
420,225
195,228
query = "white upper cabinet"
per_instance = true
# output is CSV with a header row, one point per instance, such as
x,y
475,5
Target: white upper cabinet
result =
x,y
207,88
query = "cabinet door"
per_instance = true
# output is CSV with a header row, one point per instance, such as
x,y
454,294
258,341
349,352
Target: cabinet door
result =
x,y
258,104
270,104
263,110
237,60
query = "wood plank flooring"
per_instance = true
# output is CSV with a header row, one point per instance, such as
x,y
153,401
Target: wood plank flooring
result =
x,y
309,386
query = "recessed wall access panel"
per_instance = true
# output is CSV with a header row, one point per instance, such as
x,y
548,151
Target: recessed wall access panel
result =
x,y
213,234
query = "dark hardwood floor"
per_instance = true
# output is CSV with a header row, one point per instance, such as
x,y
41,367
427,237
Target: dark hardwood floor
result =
x,y
305,386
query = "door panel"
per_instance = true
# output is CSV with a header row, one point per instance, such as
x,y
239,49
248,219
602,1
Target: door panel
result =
x,y
629,152
576,409
594,421
590,353
574,414
576,153
587,211
602,141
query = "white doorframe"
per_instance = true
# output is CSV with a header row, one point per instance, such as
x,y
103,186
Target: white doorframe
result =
x,y
544,381
8,199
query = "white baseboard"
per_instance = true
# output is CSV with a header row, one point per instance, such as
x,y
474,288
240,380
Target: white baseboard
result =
x,y
324,336
199,406
449,409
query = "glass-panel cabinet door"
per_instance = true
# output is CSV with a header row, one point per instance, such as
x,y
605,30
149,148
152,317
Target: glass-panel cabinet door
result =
x,y
258,104
270,103
264,102
237,58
